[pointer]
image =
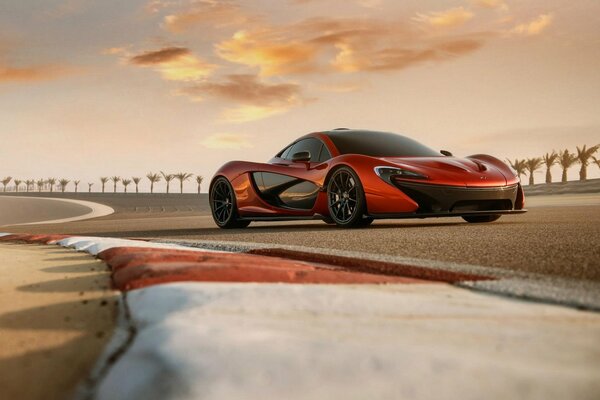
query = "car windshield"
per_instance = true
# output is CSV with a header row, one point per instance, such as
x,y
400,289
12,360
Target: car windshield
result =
x,y
378,144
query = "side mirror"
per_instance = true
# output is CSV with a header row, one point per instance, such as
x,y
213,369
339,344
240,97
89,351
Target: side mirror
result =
x,y
301,156
446,153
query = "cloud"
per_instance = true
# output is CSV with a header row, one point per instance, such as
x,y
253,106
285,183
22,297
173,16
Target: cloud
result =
x,y
256,99
272,55
362,3
216,13
492,4
248,89
370,3
32,74
446,19
242,114
396,58
342,87
174,63
160,56
115,51
321,45
534,27
24,73
155,6
227,141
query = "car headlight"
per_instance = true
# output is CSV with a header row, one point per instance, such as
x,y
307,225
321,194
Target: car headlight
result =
x,y
389,173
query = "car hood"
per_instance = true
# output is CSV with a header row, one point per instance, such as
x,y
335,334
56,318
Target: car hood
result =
x,y
451,171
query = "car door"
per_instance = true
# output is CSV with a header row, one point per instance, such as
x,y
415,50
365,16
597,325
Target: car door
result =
x,y
292,184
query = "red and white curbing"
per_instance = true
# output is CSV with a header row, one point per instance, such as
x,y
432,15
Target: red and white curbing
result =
x,y
260,339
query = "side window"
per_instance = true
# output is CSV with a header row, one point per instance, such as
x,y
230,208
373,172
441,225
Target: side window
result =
x,y
325,154
294,149
286,152
311,145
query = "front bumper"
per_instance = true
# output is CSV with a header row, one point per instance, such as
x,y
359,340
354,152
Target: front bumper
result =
x,y
442,201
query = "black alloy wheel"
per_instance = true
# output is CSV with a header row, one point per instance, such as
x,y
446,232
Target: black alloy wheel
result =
x,y
479,219
346,199
223,205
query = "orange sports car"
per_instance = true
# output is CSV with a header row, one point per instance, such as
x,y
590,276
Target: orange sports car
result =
x,y
351,177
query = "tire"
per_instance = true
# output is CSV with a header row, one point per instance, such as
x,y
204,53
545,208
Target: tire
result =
x,y
329,221
479,219
346,199
223,205
366,221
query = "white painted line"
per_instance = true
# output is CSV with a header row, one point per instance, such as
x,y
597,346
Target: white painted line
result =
x,y
95,245
97,210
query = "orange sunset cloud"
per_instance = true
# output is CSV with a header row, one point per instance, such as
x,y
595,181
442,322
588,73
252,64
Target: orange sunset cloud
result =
x,y
256,99
174,63
449,18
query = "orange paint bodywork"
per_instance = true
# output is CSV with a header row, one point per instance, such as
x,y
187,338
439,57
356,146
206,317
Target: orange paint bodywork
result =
x,y
477,171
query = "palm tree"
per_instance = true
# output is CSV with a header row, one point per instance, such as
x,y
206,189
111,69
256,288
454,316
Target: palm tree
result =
x,y
566,160
90,187
518,166
63,184
6,181
199,179
596,161
29,183
51,182
115,180
584,155
76,184
168,179
182,176
103,180
533,164
125,183
40,184
136,181
549,159
153,178
17,183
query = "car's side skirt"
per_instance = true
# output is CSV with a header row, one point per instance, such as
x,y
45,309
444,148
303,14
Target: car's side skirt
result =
x,y
385,216
445,214
285,218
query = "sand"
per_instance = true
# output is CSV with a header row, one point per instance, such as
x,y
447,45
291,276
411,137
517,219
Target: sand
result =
x,y
56,316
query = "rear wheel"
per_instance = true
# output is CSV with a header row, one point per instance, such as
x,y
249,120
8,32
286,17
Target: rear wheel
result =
x,y
346,199
223,205
478,219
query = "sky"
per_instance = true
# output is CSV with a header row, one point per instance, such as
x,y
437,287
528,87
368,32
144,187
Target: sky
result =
x,y
103,88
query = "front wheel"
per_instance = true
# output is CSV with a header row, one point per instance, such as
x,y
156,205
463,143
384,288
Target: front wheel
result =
x,y
223,205
478,219
346,199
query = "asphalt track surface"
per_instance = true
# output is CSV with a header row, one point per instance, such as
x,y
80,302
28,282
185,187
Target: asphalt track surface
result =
x,y
21,210
558,237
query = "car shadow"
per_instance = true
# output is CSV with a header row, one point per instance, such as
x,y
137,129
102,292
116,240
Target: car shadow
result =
x,y
300,228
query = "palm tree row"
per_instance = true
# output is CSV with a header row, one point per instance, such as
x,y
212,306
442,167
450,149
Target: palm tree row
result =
x,y
50,183
564,158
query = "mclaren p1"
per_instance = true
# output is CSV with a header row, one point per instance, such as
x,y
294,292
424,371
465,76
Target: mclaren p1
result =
x,y
351,177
